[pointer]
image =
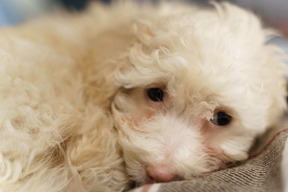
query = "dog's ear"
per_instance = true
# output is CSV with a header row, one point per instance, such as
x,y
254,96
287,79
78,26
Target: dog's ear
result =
x,y
108,53
277,64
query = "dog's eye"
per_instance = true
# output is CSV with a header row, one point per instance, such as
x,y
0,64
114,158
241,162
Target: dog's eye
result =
x,y
221,118
155,94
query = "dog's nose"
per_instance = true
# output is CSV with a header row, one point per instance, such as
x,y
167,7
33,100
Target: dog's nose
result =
x,y
160,173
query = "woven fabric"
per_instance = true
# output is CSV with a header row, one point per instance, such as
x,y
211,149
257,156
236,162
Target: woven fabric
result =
x,y
261,172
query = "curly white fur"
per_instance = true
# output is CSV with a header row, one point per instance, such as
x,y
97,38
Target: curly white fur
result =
x,y
205,61
60,78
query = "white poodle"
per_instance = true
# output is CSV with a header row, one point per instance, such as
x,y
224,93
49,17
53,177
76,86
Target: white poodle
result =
x,y
91,101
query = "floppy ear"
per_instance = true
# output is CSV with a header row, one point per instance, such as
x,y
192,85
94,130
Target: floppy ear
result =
x,y
107,54
277,65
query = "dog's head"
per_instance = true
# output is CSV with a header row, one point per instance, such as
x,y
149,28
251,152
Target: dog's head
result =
x,y
198,89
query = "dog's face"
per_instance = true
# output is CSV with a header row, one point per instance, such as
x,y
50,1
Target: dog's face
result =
x,y
196,94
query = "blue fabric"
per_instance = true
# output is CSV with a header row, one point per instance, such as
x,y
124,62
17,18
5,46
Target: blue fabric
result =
x,y
4,19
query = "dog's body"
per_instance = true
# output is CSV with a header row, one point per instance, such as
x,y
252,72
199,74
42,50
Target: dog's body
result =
x,y
56,135
187,89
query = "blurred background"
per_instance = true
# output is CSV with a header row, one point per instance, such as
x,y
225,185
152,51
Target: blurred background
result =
x,y
273,12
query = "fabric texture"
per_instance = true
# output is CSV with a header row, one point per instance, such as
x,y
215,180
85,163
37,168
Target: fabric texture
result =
x,y
261,172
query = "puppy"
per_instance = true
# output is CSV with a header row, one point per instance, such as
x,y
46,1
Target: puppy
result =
x,y
199,87
143,93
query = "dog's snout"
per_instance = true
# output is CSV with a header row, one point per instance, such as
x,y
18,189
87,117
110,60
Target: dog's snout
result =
x,y
160,173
